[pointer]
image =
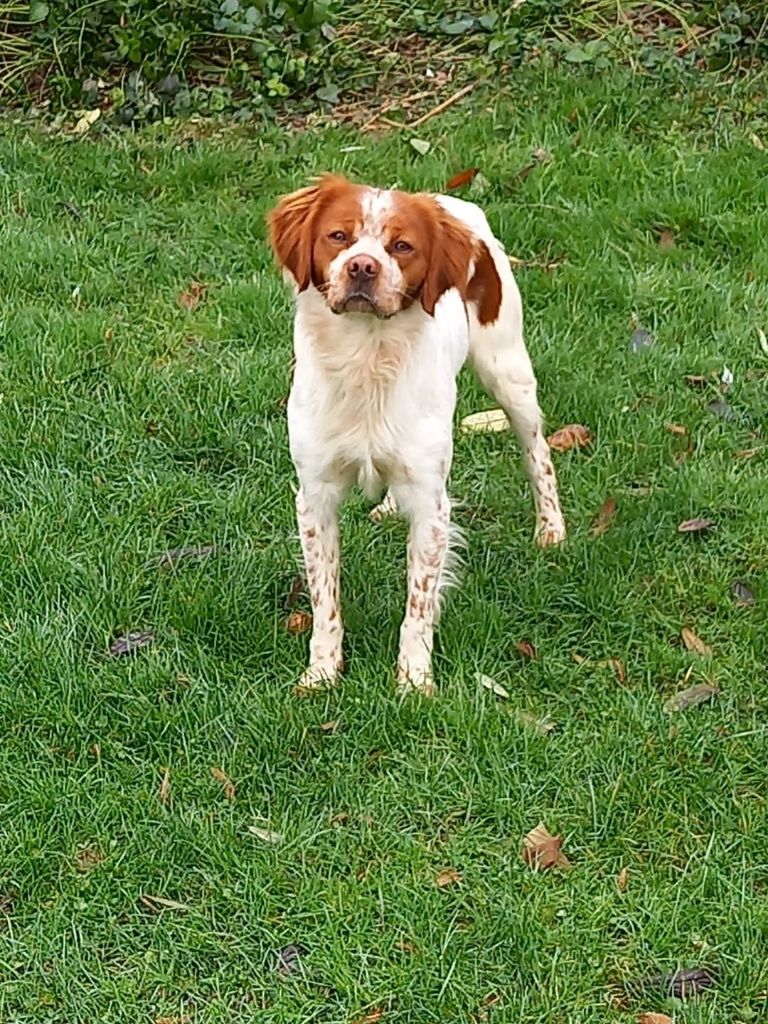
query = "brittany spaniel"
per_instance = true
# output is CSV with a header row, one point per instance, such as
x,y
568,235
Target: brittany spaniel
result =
x,y
393,292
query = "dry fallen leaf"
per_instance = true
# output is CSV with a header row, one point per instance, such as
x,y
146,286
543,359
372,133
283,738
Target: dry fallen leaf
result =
x,y
622,880
572,436
694,643
167,559
129,643
667,239
542,850
603,518
183,1019
680,984
695,381
157,903
461,179
265,835
677,428
742,593
526,649
746,453
618,667
164,793
490,684
87,858
289,960
406,947
691,697
226,782
695,525
190,299
654,1018
297,589
544,725
487,422
332,726
84,123
448,876
372,1017
298,622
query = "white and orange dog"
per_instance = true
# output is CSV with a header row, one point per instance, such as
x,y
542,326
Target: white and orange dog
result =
x,y
393,292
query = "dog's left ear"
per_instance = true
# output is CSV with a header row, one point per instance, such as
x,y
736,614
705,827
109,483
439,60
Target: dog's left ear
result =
x,y
291,227
459,260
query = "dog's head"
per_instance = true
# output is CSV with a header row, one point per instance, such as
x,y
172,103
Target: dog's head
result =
x,y
377,252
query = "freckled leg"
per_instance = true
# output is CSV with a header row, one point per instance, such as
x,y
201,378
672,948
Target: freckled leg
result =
x,y
427,550
319,533
516,394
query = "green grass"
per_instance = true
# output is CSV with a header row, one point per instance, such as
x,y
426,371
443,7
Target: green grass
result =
x,y
129,425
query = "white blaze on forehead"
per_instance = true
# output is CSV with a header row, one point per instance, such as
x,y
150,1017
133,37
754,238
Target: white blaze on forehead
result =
x,y
377,206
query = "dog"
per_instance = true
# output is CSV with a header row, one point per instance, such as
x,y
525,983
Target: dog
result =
x,y
394,291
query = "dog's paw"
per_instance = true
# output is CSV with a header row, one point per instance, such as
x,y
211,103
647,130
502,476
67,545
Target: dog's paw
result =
x,y
414,678
549,533
317,678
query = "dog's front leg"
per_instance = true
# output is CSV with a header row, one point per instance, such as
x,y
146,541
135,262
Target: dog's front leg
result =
x,y
427,550
317,515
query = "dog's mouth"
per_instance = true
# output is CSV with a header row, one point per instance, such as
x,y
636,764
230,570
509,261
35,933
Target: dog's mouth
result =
x,y
361,302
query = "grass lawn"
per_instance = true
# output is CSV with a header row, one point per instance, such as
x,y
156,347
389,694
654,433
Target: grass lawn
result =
x,y
130,425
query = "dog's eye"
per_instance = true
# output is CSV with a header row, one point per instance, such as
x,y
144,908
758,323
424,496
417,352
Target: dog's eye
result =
x,y
402,246
338,236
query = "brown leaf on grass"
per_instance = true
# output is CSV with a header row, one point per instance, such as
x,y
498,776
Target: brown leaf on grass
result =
x,y
332,726
164,793
695,525
542,850
680,984
297,589
695,643
618,667
742,593
167,559
544,724
190,299
677,428
695,381
406,947
298,622
602,520
654,1018
372,1017
622,880
691,697
183,1019
448,876
526,649
461,179
746,453
87,858
226,782
667,239
158,903
129,643
572,436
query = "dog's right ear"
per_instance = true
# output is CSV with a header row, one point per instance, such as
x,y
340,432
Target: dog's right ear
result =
x,y
291,227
